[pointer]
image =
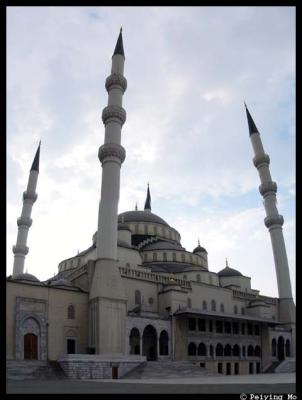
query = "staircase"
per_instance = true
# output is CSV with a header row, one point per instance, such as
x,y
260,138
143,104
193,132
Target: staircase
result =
x,y
23,370
286,366
168,369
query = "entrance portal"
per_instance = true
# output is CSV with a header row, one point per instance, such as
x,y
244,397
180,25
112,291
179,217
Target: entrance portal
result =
x,y
150,343
280,348
30,347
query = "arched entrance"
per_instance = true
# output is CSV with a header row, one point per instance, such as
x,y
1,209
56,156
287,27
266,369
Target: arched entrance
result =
x,y
134,341
30,347
280,348
164,343
150,343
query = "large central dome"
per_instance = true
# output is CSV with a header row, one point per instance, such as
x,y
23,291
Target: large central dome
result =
x,y
141,216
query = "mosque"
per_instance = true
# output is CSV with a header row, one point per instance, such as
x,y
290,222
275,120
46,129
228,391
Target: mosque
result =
x,y
136,295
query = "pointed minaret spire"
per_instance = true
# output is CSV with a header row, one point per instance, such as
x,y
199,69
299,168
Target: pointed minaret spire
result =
x,y
135,207
148,200
35,164
24,222
226,263
198,242
119,48
251,123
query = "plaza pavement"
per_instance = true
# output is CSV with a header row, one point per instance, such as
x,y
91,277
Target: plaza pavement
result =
x,y
260,383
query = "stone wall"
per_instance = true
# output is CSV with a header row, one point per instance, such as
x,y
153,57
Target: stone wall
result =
x,y
83,366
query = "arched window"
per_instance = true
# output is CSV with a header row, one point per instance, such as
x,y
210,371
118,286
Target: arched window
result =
x,y
227,327
146,229
165,256
71,312
183,257
137,297
235,309
185,277
257,351
242,310
222,307
227,350
150,301
210,280
287,348
134,340
219,350
274,348
145,256
202,350
136,228
154,256
204,305
198,277
155,230
236,350
189,302
127,265
213,305
191,258
174,256
163,343
250,351
192,349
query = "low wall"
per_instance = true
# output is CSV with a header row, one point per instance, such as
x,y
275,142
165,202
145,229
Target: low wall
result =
x,y
88,366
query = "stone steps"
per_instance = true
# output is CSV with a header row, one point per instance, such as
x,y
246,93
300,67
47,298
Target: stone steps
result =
x,y
168,369
21,370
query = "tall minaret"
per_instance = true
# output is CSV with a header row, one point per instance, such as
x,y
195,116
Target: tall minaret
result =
x,y
107,294
273,222
24,222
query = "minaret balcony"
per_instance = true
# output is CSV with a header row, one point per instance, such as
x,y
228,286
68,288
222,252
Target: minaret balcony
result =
x,y
24,221
20,250
116,80
114,113
268,187
109,150
30,196
275,220
261,159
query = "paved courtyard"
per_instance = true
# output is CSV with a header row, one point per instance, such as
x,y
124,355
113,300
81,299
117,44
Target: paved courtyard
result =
x,y
262,383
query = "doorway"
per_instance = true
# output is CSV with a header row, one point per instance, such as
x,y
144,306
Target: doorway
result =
x,y
150,343
30,347
71,346
280,349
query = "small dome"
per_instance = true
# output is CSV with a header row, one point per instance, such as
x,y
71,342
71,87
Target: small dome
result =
x,y
61,282
227,271
199,249
26,277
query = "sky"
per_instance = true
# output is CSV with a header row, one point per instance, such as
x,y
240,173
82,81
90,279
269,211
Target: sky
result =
x,y
189,71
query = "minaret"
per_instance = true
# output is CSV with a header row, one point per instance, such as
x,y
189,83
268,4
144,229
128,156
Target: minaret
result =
x,y
148,200
273,222
107,294
24,222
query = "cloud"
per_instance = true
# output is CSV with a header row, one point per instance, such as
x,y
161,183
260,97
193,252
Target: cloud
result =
x,y
189,69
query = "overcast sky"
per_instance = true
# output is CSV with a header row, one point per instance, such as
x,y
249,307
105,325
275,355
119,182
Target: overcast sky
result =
x,y
189,70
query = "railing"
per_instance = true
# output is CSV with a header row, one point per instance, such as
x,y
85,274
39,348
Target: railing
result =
x,y
149,276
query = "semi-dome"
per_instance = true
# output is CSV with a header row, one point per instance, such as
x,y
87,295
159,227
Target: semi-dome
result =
x,y
162,245
140,216
227,271
26,277
61,282
123,227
